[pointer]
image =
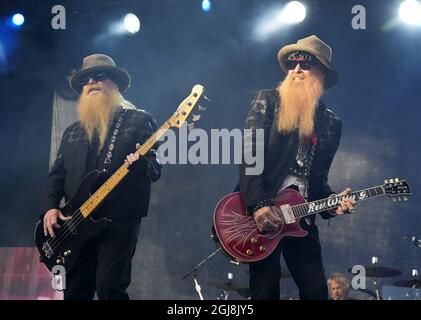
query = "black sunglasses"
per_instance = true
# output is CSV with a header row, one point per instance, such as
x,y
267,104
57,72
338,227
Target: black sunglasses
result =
x,y
97,76
304,64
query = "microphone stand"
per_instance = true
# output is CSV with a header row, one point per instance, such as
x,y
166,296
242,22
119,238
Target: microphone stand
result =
x,y
197,285
196,269
375,261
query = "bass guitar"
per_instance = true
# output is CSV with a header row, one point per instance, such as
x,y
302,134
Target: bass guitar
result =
x,y
73,234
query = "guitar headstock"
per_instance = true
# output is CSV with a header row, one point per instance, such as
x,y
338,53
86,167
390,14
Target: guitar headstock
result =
x,y
398,189
186,107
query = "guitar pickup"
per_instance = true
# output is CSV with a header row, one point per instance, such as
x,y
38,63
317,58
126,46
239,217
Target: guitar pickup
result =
x,y
287,214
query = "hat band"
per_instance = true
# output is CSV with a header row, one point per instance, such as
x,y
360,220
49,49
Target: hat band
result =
x,y
300,56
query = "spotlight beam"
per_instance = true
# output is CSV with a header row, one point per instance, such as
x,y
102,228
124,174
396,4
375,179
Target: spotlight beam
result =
x,y
410,12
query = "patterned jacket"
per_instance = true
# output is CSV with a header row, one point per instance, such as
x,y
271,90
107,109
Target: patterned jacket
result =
x,y
280,151
130,199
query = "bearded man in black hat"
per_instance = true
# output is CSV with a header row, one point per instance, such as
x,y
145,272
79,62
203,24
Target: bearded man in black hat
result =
x,y
108,131
301,137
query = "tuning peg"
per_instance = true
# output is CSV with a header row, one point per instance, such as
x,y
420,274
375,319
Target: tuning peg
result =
x,y
190,126
196,117
200,108
386,181
206,98
391,180
394,199
396,179
405,199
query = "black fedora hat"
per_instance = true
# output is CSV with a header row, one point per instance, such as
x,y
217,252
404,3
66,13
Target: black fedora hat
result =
x,y
100,62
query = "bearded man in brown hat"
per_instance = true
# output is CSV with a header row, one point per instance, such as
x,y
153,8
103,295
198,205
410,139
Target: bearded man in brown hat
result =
x,y
108,131
301,137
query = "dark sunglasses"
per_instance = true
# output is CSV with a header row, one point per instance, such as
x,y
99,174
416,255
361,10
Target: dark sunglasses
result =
x,y
304,64
98,76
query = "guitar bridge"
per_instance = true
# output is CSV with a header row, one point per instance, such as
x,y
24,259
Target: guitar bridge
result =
x,y
287,214
48,252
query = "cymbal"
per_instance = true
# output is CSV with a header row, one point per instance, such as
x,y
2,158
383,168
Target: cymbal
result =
x,y
379,272
370,293
284,273
413,283
227,286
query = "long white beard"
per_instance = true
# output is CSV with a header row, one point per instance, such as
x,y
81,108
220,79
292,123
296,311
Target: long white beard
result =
x,y
96,113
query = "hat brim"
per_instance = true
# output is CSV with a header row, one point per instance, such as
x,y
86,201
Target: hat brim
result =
x,y
118,75
331,75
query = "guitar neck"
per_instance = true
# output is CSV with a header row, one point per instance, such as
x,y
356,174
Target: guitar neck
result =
x,y
310,208
96,199
153,139
177,120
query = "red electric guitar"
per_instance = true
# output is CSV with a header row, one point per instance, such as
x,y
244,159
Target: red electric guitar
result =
x,y
237,232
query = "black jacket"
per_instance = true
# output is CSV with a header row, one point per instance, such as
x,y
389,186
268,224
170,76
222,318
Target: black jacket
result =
x,y
280,151
130,199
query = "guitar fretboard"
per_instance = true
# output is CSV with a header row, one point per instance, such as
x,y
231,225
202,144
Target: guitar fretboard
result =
x,y
95,200
153,139
310,208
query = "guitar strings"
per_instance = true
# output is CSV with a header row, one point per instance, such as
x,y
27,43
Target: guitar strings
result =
x,y
300,207
65,230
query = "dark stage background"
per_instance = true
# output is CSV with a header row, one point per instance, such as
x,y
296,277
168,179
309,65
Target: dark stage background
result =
x,y
378,98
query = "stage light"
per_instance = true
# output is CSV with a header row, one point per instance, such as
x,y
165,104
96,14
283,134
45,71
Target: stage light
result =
x,y
278,17
128,24
131,23
294,12
17,20
206,5
410,12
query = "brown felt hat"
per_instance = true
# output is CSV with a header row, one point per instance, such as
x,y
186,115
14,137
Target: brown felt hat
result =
x,y
100,62
320,50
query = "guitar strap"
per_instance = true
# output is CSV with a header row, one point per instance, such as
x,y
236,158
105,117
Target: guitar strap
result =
x,y
108,157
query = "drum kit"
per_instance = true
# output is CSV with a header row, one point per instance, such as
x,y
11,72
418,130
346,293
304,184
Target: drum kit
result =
x,y
230,286
373,271
226,287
